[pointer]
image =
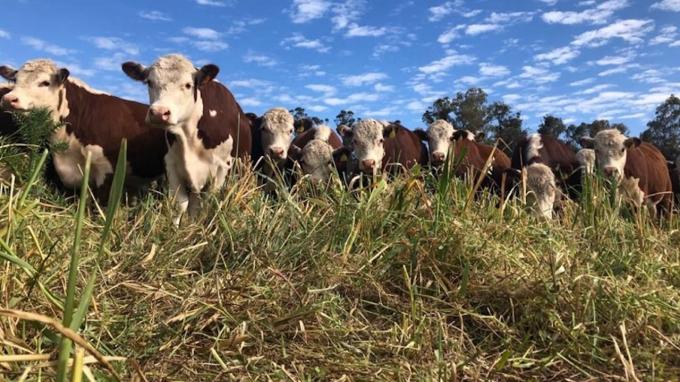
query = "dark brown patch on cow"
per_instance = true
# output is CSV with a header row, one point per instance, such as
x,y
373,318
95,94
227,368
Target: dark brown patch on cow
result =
x,y
402,146
648,164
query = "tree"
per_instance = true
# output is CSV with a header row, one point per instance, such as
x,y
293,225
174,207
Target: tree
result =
x,y
664,130
299,113
574,133
552,126
470,111
345,117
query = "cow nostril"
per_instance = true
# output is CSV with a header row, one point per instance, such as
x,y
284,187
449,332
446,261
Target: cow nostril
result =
x,y
166,113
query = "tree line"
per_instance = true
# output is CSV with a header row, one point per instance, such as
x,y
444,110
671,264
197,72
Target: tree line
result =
x,y
471,110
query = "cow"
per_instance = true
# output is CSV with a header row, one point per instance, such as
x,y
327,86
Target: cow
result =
x,y
206,128
318,151
271,137
303,124
443,139
384,146
88,121
586,160
557,155
638,167
543,189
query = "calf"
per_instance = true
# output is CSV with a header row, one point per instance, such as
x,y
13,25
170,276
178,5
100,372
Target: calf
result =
x,y
88,122
557,155
639,168
544,191
379,145
443,139
318,151
586,160
206,126
271,135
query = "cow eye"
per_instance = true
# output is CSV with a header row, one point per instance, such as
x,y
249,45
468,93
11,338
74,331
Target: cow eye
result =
x,y
381,140
451,138
187,85
623,150
44,84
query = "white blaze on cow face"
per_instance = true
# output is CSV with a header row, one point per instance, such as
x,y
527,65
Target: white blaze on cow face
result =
x,y
541,183
172,83
439,138
586,158
37,84
367,143
611,151
277,133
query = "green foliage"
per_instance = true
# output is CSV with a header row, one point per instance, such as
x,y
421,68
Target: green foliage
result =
x,y
664,130
575,132
345,117
552,126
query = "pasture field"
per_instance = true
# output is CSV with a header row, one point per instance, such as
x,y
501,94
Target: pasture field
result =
x,y
412,280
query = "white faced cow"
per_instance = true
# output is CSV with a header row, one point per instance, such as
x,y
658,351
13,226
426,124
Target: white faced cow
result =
x,y
440,137
88,122
321,155
544,191
206,127
639,168
272,135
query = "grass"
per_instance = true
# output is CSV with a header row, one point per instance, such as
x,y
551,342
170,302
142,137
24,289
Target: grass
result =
x,y
398,283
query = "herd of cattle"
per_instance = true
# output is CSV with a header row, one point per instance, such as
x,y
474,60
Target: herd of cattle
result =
x,y
194,130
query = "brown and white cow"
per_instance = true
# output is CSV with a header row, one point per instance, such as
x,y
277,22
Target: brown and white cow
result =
x,y
639,168
557,155
543,189
443,140
381,145
89,122
319,152
207,128
272,134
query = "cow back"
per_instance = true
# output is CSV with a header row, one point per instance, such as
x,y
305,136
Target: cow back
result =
x,y
404,148
302,139
648,164
222,118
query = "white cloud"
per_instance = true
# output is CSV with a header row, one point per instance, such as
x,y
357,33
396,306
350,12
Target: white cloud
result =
x,y
668,35
4,34
509,17
468,80
450,35
115,43
582,82
154,16
616,60
354,30
609,72
490,70
213,3
249,102
538,75
240,26
382,88
438,12
46,47
202,33
446,63
363,79
475,29
299,41
76,69
211,46
311,70
259,59
667,5
597,15
356,97
596,89
559,56
549,2
308,10
328,90
631,31
317,108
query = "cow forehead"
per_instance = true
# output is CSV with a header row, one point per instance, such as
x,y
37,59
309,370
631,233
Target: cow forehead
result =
x,y
279,117
609,138
35,69
316,150
440,129
368,130
172,68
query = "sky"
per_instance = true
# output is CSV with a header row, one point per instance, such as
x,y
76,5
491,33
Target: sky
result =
x,y
383,59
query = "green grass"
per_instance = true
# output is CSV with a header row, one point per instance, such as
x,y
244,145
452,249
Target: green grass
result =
x,y
393,284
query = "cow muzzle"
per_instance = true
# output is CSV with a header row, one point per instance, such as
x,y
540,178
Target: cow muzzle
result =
x,y
611,172
277,153
438,158
159,115
367,165
10,101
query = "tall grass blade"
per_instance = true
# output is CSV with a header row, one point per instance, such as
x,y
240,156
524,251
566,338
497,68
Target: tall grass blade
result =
x,y
31,180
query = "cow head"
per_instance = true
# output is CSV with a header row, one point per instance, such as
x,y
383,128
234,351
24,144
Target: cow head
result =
x,y
304,124
611,150
317,158
37,84
541,182
368,138
276,127
586,158
439,136
345,133
173,83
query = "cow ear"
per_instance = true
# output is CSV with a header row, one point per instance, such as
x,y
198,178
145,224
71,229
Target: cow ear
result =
x,y
206,74
344,131
390,131
421,134
341,154
295,152
632,142
8,73
458,134
480,136
587,142
62,75
135,71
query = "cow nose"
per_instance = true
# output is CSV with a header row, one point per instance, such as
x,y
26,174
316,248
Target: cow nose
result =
x,y
277,152
610,171
159,114
368,164
438,158
10,99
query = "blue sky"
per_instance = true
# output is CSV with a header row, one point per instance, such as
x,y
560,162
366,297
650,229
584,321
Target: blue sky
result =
x,y
580,60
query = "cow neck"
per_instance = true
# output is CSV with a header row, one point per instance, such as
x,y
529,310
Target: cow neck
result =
x,y
186,133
